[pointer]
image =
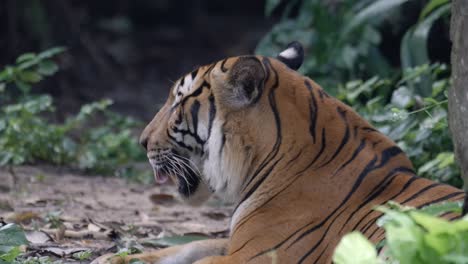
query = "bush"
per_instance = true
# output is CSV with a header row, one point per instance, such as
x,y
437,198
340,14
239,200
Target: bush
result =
x,y
408,104
412,237
28,136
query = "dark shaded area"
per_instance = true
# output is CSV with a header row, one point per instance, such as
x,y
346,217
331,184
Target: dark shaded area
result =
x,y
128,51
131,51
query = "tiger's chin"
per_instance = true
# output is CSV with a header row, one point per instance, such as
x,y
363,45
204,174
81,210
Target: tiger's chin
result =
x,y
190,188
198,196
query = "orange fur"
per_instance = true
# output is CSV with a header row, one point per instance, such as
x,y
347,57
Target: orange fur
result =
x,y
303,168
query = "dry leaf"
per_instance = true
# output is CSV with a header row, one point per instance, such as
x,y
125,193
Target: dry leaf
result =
x,y
37,237
162,199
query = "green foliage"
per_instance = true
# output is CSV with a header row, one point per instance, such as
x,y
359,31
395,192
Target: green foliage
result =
x,y
11,238
95,139
408,104
412,237
30,68
342,39
37,260
418,124
82,255
356,247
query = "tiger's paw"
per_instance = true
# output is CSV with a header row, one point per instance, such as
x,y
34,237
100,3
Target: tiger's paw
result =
x,y
110,258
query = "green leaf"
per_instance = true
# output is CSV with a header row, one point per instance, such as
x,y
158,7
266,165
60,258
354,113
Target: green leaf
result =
x,y
270,5
26,57
456,258
414,50
24,87
51,52
173,240
29,76
440,208
11,255
431,6
445,159
376,9
355,248
11,235
431,223
47,67
404,241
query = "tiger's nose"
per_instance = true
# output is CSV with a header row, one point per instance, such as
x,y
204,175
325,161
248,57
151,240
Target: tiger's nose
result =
x,y
144,142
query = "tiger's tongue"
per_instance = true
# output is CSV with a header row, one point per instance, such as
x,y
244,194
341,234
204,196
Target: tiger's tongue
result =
x,y
160,177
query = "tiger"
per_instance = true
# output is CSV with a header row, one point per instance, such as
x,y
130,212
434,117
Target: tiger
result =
x,y
301,167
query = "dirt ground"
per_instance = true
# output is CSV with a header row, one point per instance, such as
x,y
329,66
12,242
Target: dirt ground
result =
x,y
64,212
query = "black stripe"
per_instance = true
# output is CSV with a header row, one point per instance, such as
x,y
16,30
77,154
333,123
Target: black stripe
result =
x,y
223,69
313,109
356,152
212,114
360,178
275,149
371,166
196,93
246,218
223,142
322,94
378,189
180,143
180,116
194,110
194,73
369,129
355,131
370,223
406,186
308,253
345,139
321,254
184,132
262,179
416,195
388,178
444,198
319,153
209,69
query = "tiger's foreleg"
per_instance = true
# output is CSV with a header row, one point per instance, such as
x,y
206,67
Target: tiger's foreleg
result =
x,y
182,254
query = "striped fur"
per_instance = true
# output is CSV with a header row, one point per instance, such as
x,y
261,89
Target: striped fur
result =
x,y
303,168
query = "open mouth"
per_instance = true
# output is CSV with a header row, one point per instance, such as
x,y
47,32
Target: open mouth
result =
x,y
160,175
180,169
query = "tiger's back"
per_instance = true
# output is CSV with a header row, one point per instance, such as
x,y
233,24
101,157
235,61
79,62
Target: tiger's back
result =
x,y
331,169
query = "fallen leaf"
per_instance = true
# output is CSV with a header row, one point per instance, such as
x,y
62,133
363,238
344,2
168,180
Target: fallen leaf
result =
x,y
37,237
173,240
5,205
162,199
22,217
215,215
64,252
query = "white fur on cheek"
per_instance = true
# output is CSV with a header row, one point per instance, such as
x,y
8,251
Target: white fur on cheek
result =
x,y
224,169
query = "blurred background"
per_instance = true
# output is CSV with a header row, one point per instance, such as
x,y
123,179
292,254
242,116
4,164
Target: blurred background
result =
x,y
128,51
84,105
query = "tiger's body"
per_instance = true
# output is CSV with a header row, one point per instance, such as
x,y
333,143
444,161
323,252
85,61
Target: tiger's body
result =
x,y
303,168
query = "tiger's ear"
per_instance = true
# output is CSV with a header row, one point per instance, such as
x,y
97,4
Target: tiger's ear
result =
x,y
292,56
245,82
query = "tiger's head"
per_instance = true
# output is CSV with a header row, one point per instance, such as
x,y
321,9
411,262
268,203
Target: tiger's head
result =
x,y
217,125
